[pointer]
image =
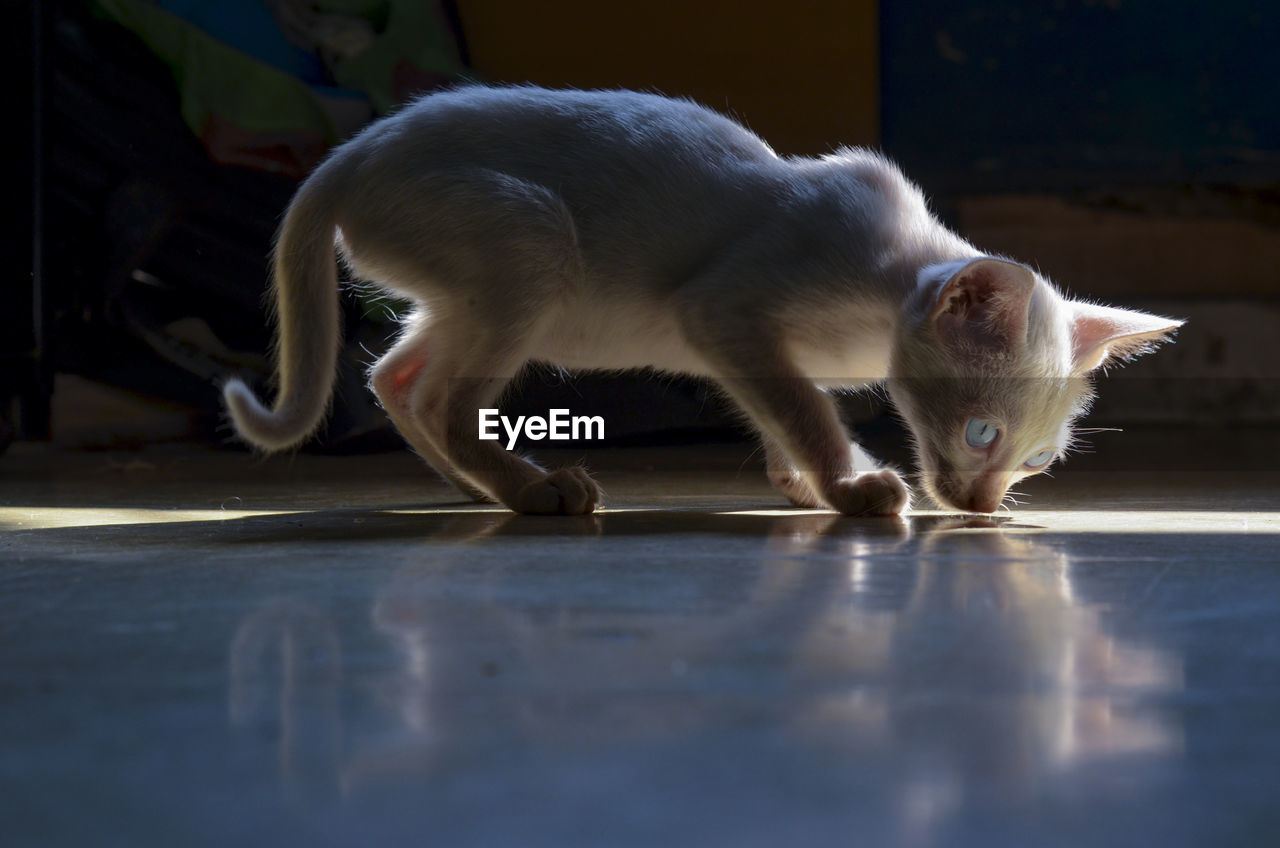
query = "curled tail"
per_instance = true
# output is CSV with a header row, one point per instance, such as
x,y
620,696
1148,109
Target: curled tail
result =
x,y
305,287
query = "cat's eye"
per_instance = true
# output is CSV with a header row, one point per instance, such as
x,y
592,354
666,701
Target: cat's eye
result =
x,y
979,433
1039,460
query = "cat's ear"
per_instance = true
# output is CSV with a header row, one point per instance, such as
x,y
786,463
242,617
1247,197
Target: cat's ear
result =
x,y
983,302
1103,335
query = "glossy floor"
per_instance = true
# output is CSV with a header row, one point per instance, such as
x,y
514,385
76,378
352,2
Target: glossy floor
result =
x,y
205,649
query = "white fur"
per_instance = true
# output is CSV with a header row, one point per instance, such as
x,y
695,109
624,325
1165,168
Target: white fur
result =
x,y
619,230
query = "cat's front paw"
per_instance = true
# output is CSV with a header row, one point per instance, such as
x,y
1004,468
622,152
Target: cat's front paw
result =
x,y
871,493
566,491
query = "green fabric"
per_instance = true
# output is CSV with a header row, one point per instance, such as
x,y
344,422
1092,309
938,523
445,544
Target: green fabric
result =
x,y
214,78
412,34
220,86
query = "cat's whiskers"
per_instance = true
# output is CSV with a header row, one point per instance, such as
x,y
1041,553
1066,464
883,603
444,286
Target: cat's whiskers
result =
x,y
1012,497
1078,445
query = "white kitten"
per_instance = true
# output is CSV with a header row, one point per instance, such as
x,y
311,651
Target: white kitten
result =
x,y
615,230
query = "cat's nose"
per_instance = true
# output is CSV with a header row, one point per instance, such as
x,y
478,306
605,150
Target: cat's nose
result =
x,y
986,493
983,502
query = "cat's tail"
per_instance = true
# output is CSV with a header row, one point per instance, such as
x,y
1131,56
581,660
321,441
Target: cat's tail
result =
x,y
308,332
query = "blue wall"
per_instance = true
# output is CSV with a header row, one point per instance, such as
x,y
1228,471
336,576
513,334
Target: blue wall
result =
x,y
1008,94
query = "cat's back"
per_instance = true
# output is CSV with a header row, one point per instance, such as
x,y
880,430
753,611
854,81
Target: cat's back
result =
x,y
531,128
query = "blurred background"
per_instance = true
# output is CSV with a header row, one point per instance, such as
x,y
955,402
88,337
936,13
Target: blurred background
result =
x,y
1129,149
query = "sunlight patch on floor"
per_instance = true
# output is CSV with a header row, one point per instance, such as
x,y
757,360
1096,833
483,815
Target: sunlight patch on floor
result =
x,y
1083,521
18,518
44,518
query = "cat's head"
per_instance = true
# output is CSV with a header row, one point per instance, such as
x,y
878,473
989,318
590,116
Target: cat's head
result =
x,y
990,368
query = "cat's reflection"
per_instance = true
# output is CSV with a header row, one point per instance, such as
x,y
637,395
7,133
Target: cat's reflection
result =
x,y
286,675
963,644
993,675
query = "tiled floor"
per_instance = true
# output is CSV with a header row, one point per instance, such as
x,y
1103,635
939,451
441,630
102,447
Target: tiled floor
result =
x,y
200,648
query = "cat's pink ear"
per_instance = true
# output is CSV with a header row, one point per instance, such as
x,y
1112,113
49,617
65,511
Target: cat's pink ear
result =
x,y
984,303
1103,334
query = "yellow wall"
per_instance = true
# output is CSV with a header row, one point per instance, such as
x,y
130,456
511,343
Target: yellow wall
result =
x,y
804,74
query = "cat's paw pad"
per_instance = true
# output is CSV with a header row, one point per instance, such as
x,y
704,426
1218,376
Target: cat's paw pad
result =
x,y
566,491
795,488
872,493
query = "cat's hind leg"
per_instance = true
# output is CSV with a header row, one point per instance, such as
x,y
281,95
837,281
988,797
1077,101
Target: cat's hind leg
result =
x,y
492,360
437,382
393,379
492,256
